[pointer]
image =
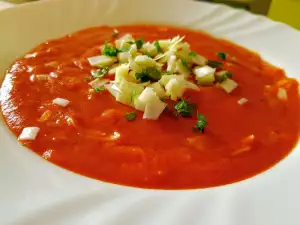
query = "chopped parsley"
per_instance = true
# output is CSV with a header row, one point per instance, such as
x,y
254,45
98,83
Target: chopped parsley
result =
x,y
139,43
157,46
214,63
223,76
99,89
130,116
109,50
222,55
150,73
192,54
100,72
115,33
184,108
201,123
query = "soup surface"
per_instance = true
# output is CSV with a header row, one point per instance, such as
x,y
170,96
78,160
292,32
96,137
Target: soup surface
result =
x,y
92,137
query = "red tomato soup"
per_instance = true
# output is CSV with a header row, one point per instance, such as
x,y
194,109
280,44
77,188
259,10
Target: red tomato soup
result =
x,y
92,137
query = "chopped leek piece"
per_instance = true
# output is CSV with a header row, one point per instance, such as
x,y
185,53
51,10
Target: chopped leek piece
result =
x,y
144,61
125,94
205,75
122,72
160,92
123,57
130,116
100,72
229,85
102,61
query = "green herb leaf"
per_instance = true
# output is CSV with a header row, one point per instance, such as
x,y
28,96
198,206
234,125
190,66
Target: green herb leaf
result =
x,y
184,109
100,72
214,63
131,116
192,54
150,73
222,55
88,78
115,33
139,43
109,50
201,123
157,46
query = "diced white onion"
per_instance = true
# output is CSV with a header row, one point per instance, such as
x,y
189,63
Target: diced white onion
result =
x,y
199,60
242,101
228,85
29,133
61,102
121,72
160,92
123,57
175,89
97,83
145,97
282,94
123,41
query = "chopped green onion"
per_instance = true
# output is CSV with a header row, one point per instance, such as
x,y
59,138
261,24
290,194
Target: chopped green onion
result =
x,y
192,54
99,89
214,63
100,72
201,123
184,109
115,33
139,43
109,50
222,55
157,46
130,116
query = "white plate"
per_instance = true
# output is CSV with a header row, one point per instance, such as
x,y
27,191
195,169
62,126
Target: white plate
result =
x,y
35,192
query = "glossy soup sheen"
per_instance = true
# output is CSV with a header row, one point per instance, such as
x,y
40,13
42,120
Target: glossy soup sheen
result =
x,y
163,154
